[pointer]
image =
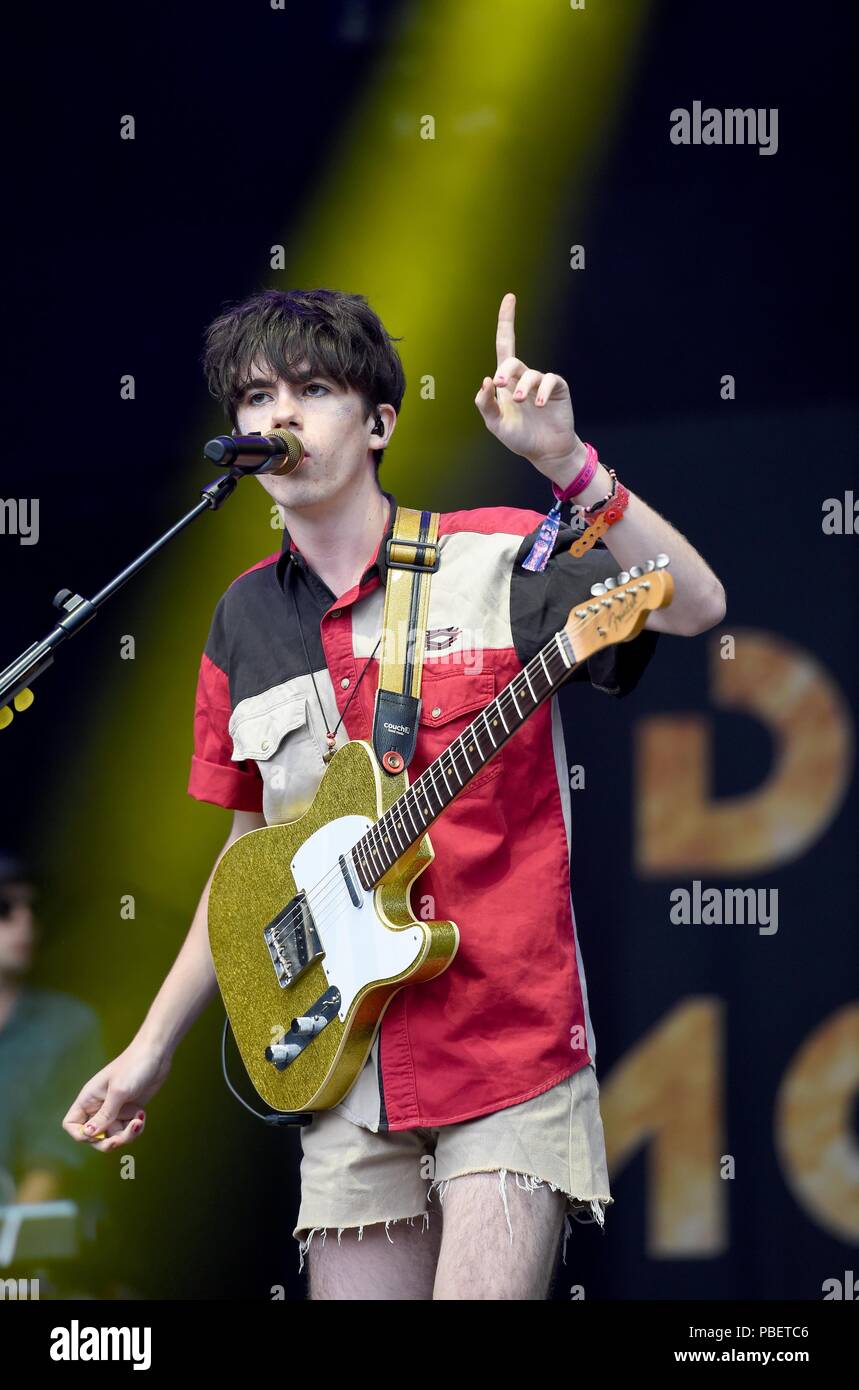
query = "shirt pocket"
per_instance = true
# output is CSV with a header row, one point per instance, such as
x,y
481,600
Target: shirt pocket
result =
x,y
280,739
450,701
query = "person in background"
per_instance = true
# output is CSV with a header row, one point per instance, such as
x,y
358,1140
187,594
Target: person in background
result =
x,y
46,1037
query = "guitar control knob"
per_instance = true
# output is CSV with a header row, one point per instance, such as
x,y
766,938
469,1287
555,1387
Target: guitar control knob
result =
x,y
306,1025
282,1053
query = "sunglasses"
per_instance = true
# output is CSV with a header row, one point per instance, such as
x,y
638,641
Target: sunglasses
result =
x,y
9,901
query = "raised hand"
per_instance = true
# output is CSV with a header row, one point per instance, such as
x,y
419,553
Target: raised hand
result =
x,y
529,411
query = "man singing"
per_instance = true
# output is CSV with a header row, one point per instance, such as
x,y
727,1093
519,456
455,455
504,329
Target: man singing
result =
x,y
474,1128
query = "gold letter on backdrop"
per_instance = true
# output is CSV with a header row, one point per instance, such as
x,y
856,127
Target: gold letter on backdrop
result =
x,y
681,828
814,1126
666,1092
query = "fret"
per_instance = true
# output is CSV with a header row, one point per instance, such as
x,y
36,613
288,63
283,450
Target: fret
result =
x,y
431,775
390,837
411,817
396,831
379,847
465,755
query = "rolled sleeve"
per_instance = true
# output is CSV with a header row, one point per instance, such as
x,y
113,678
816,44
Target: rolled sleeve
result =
x,y
214,776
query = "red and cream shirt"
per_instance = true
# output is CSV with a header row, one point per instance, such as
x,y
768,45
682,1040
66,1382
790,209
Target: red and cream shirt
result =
x,y
509,1017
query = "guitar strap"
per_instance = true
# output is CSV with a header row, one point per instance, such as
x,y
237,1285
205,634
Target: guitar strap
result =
x,y
412,557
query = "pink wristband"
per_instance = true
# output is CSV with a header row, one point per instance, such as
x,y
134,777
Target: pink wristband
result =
x,y
581,479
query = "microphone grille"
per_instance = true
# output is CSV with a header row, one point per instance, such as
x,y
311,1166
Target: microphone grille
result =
x,y
294,449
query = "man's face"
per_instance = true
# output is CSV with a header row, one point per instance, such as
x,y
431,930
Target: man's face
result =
x,y
330,421
17,928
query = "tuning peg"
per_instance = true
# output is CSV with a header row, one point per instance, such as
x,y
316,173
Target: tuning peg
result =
x,y
662,561
624,577
635,571
597,588
649,566
6,717
23,699
610,582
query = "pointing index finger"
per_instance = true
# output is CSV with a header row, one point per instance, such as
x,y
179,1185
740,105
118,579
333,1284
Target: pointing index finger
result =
x,y
505,335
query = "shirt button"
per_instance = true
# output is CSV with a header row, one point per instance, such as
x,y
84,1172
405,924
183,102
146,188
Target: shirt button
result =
x,y
335,613
265,745
344,684
436,712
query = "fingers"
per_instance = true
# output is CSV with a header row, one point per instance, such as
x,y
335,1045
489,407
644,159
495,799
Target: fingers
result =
x,y
104,1122
552,386
122,1131
505,333
524,382
528,381
87,1104
486,401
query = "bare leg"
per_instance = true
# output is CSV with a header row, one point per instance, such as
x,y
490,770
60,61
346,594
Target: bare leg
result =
x,y
373,1268
477,1259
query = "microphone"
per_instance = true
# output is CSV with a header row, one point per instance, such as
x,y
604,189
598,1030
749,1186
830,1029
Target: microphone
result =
x,y
279,452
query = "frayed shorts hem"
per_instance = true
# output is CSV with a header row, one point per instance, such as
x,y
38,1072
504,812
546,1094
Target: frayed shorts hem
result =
x,y
585,1210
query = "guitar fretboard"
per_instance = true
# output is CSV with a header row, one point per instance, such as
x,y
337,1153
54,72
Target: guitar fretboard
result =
x,y
406,820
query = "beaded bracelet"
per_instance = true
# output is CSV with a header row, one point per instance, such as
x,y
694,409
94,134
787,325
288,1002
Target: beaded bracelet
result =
x,y
615,504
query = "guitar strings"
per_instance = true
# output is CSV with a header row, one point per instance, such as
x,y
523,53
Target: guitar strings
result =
x,y
333,881
334,878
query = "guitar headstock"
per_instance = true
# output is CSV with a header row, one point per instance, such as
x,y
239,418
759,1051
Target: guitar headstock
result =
x,y
618,607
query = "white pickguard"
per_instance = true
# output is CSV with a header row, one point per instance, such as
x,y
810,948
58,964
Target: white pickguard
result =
x,y
358,947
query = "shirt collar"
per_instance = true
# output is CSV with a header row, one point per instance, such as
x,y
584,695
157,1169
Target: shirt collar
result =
x,y
377,564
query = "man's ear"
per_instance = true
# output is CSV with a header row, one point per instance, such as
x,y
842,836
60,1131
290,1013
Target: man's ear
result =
x,y
385,419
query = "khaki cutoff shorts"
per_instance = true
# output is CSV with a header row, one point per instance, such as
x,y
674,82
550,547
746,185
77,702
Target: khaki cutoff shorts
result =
x,y
351,1176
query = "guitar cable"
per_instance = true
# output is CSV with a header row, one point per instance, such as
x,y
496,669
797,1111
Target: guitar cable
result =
x,y
279,1119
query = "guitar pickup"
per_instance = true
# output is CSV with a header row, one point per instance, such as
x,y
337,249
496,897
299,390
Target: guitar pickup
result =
x,y
292,940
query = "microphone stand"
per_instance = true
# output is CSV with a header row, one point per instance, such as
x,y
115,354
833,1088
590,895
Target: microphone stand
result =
x,y
19,676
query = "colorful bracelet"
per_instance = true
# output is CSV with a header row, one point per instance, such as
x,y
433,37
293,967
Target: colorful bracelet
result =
x,y
614,504
581,479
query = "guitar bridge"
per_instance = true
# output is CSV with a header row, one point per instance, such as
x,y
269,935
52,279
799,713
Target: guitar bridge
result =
x,y
292,940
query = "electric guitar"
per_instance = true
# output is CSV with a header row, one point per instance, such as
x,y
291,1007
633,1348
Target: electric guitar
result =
x,y
310,922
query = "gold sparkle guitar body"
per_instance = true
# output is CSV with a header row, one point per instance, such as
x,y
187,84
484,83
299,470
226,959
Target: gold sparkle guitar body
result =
x,y
251,885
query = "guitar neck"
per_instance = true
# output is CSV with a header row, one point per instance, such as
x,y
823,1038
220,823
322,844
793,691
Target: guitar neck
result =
x,y
406,820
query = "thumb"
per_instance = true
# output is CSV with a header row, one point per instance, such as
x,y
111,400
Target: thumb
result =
x,y
487,402
108,1112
